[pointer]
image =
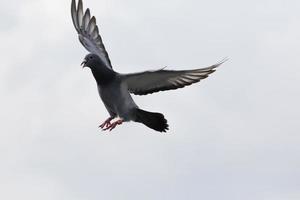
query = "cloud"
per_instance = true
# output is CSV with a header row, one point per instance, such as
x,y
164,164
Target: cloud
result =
x,y
232,136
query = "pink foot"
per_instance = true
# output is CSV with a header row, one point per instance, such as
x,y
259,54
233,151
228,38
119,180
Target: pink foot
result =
x,y
114,125
106,123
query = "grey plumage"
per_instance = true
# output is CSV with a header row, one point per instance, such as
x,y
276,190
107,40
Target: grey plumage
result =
x,y
115,88
160,80
88,32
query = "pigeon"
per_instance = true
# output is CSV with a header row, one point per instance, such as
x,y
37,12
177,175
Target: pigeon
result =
x,y
115,88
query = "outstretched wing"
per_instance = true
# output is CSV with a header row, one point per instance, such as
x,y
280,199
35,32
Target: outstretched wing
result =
x,y
154,81
88,32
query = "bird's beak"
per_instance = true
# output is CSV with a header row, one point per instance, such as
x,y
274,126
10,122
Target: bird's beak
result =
x,y
83,63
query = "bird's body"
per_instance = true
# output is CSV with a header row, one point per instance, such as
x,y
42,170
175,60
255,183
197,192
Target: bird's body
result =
x,y
117,99
115,88
114,93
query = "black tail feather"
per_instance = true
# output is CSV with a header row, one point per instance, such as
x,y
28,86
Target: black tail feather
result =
x,y
155,121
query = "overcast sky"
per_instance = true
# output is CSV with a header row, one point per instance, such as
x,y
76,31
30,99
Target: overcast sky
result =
x,y
234,136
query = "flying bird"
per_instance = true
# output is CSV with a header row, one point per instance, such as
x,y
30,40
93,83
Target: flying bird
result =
x,y
115,89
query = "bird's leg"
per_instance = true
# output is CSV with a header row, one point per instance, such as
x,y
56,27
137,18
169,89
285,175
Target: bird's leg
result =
x,y
106,123
114,124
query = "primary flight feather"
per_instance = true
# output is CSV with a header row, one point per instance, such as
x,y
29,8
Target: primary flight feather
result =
x,y
115,88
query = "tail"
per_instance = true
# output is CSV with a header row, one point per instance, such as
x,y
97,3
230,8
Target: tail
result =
x,y
155,121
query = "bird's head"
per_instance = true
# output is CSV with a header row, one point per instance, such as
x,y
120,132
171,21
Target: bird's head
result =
x,y
101,72
92,61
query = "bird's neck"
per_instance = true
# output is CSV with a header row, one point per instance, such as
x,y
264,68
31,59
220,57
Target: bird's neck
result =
x,y
103,76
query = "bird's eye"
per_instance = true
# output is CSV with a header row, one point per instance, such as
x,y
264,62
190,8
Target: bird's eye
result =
x,y
91,57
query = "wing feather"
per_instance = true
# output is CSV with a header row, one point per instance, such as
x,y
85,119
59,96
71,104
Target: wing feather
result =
x,y
88,32
86,19
74,15
92,25
79,14
154,81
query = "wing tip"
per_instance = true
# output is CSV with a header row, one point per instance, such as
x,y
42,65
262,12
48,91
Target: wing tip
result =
x,y
80,3
74,15
221,62
213,67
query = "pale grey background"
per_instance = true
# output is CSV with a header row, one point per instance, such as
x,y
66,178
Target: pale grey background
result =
x,y
233,136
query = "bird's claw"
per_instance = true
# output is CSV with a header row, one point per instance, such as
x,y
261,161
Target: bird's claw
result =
x,y
106,123
113,125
